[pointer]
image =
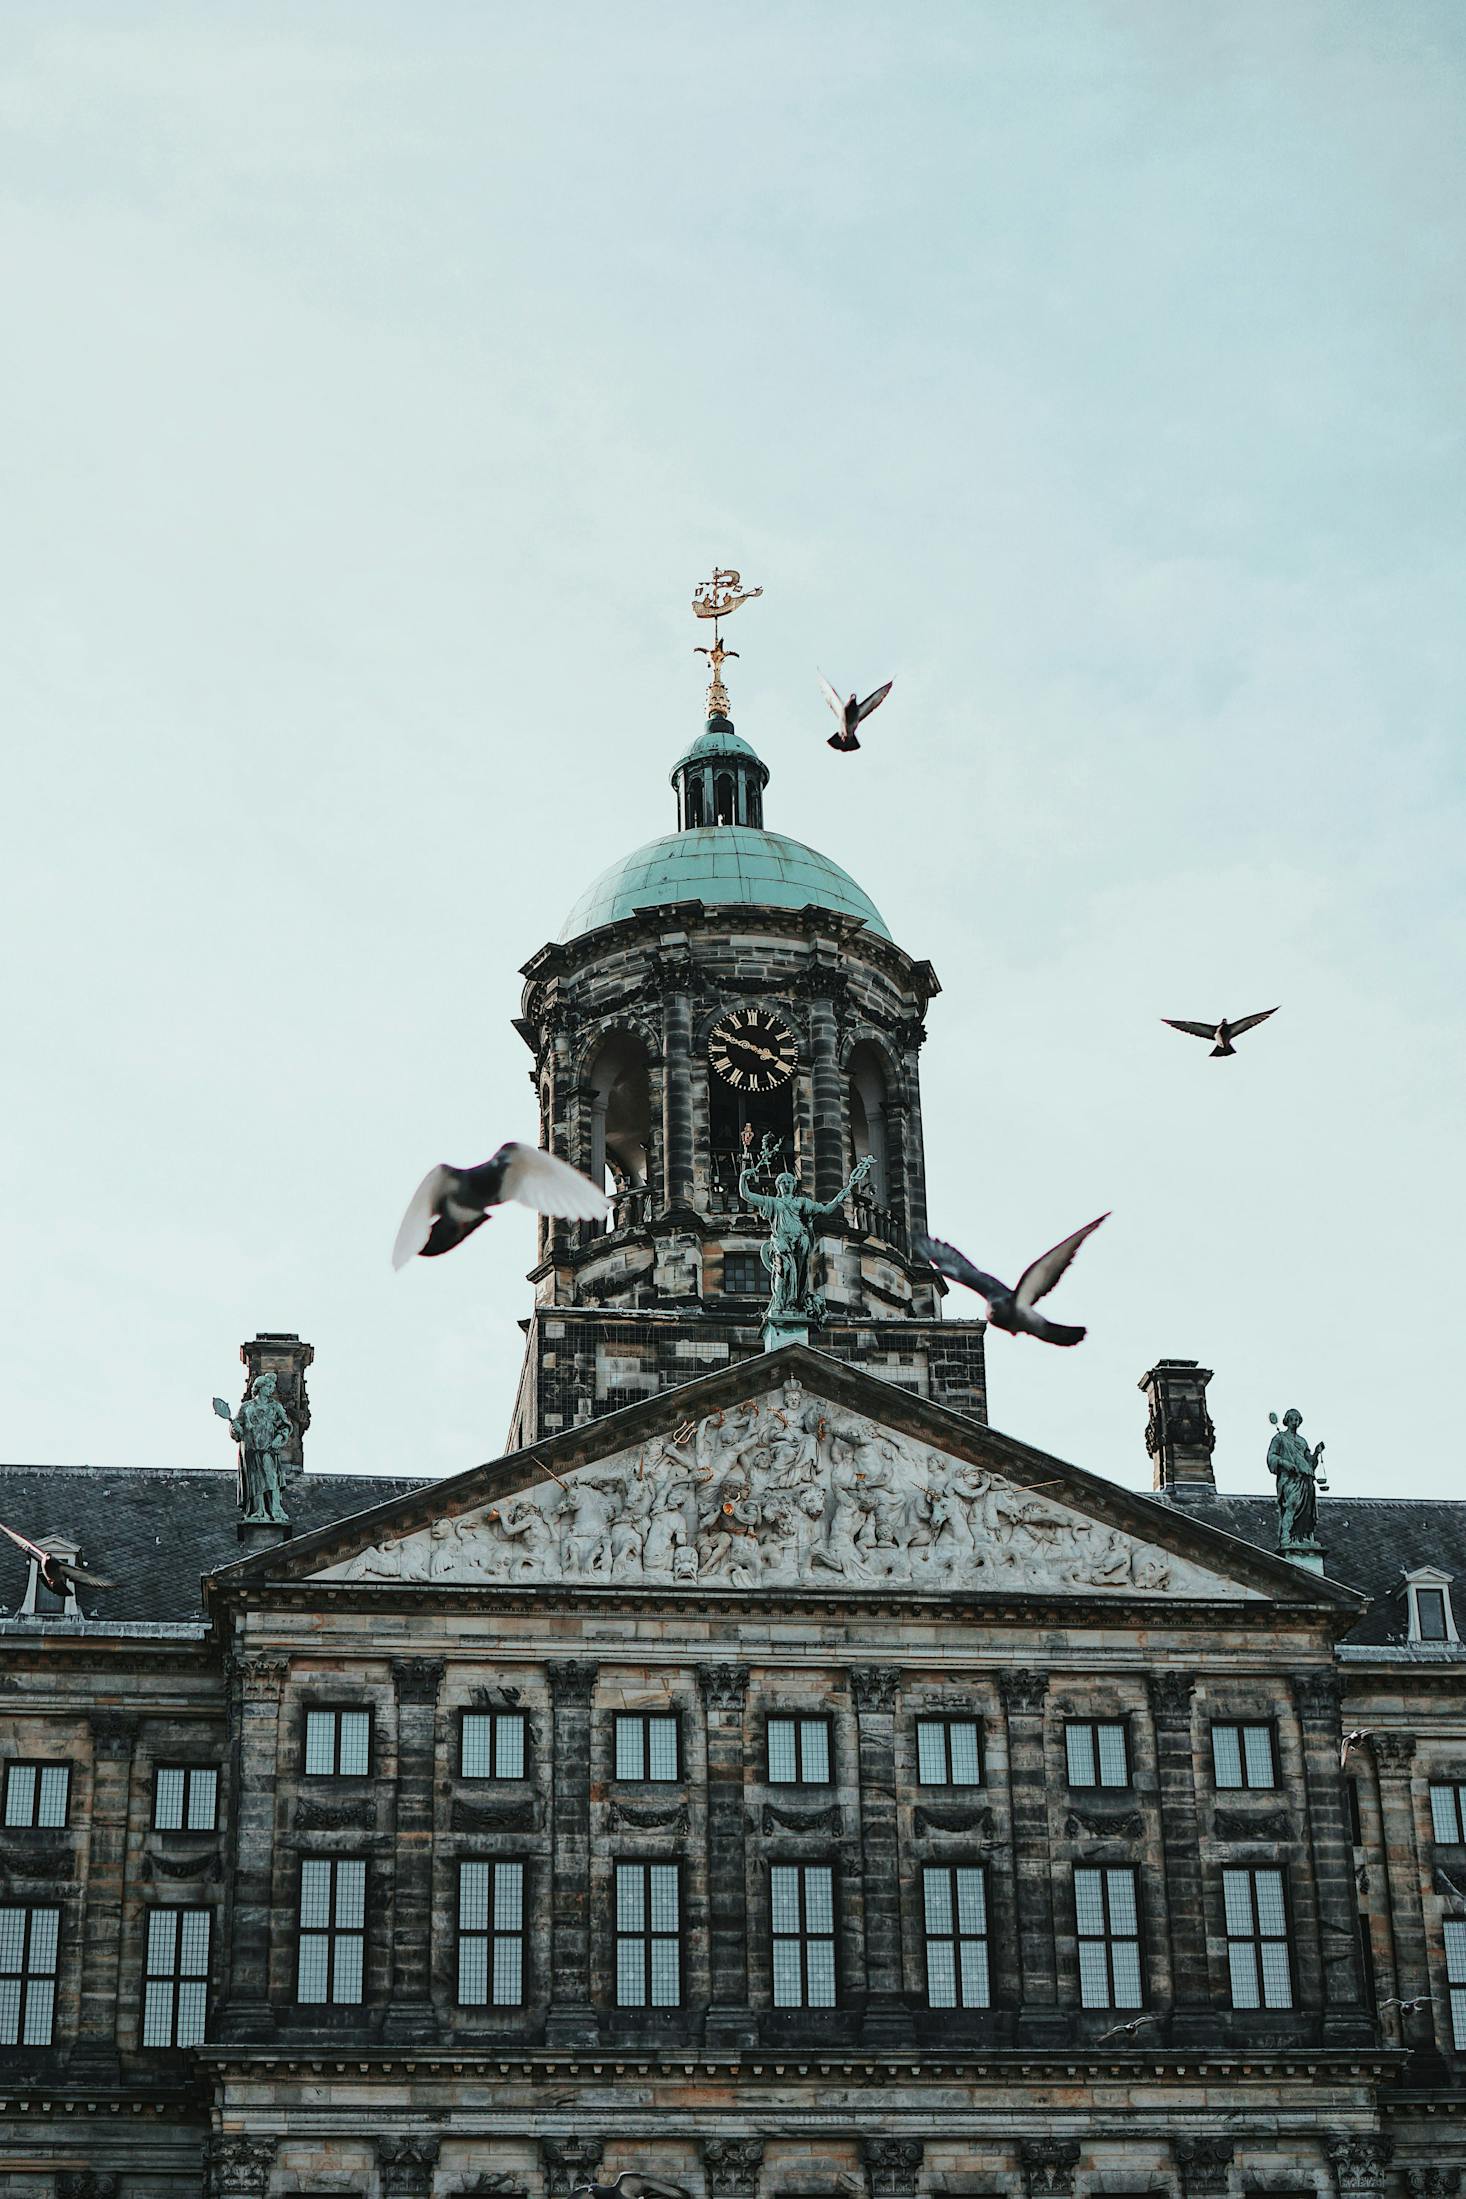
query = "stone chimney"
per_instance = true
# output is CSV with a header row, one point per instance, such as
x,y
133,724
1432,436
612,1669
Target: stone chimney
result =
x,y
284,1356
1179,1434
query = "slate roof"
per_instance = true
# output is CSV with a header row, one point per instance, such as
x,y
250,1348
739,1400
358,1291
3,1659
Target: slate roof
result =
x,y
155,1532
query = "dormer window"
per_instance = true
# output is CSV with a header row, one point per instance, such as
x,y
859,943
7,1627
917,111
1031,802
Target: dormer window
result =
x,y
41,1600
1431,1616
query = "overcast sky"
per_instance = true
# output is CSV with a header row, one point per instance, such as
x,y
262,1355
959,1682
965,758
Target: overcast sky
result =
x,y
378,383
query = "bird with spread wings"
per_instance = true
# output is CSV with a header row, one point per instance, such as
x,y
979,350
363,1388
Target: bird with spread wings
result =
x,y
451,1203
1012,1308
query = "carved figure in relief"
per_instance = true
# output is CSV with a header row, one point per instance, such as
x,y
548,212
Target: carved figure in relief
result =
x,y
585,1542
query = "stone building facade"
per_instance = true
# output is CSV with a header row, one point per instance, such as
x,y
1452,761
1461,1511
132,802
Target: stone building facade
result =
x,y
766,1775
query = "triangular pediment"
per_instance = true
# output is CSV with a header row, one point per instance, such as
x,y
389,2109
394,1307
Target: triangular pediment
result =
x,y
790,1473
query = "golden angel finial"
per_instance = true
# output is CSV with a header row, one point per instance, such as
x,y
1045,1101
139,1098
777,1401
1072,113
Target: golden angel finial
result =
x,y
716,599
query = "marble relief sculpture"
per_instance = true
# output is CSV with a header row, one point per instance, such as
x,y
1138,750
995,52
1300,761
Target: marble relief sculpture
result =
x,y
779,1492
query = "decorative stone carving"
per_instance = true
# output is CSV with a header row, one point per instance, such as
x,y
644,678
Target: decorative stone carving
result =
x,y
1359,2162
892,2166
1431,2180
1048,2166
1204,2163
417,1679
941,1817
30,1857
827,1820
497,2182
570,2161
85,2183
203,1863
1170,1696
573,1681
1393,1752
1023,1692
668,1817
521,1813
1267,1825
1317,1697
261,1676
113,1733
731,2166
241,2166
875,1688
407,2165
358,1814
724,1687
1126,1825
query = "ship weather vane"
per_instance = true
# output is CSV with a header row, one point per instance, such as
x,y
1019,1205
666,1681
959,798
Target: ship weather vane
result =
x,y
717,599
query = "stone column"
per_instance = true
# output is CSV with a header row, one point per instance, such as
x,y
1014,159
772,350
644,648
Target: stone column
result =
x,y
731,2166
256,1719
240,2166
410,2013
888,2019
1394,1757
1040,2021
282,1354
570,2020
1048,2166
570,2161
407,2164
93,2058
1346,2020
1179,1434
1170,1709
913,1151
676,1091
1205,2164
892,2166
829,1109
1359,2164
729,2021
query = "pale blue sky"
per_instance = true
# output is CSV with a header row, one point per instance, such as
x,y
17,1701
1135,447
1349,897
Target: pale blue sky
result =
x,y
379,382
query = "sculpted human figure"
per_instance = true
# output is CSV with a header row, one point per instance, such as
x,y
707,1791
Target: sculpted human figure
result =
x,y
790,1245
1299,1480
262,1429
585,1544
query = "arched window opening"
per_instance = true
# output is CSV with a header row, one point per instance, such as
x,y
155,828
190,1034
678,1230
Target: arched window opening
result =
x,y
755,805
866,1081
694,800
725,799
620,1124
767,1114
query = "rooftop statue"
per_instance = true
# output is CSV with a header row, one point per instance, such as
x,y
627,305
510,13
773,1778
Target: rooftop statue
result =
x,y
1299,1478
794,1303
262,1429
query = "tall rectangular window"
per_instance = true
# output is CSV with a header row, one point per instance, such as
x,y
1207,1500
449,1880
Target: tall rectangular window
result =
x,y
28,1940
1242,1756
648,1935
1098,1752
176,1980
491,1744
1257,1939
799,1752
331,1961
1430,1605
802,1906
1456,1980
955,1914
1108,1923
947,1752
1448,1814
490,1935
37,1794
646,1745
185,1798
338,1744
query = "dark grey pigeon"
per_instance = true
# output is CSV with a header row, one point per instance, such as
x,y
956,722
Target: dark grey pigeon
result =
x,y
851,711
1013,1309
451,1203
631,2184
1221,1034
55,1572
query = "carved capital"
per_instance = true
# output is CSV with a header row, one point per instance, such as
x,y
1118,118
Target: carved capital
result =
x,y
1204,2164
113,1733
570,2161
1170,1697
1048,2166
261,1677
1359,2162
1393,1752
731,2166
1023,1693
407,2165
892,2166
241,2166
875,1688
573,1682
724,1687
1317,1697
417,1679
909,1034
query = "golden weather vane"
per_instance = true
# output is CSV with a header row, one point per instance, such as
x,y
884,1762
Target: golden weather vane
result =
x,y
716,599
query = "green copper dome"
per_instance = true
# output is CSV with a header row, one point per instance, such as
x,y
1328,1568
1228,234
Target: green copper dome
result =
x,y
718,741
719,864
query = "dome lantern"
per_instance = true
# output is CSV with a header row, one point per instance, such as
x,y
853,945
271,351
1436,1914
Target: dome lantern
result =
x,y
719,781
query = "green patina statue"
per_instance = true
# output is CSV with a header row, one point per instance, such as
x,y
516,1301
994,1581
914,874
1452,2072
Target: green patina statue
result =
x,y
262,1429
1299,1480
794,1304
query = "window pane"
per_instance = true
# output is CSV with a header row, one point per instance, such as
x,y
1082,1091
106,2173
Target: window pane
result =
x,y
1226,1756
821,1973
661,1748
1079,1742
931,1753
162,1939
310,1981
473,1897
629,1753
193,1943
9,2011
1094,1975
1271,1915
781,1751
784,1897
1089,1908
12,1937
630,1902
20,1794
966,1768
356,1743
1237,1899
630,1967
1125,1960
347,1984
815,1741
786,1973
664,1897
320,1734
1443,1813
40,2000
937,1892
1242,1959
819,1899
203,1798
941,1975
971,1902
473,1972
1114,1770
1258,1742
158,2015
1456,1952
45,1928
350,1894
1431,1604
508,1972
474,1745
509,1746
1458,2020
55,1779
1277,1985
315,1895
974,1973
665,1982
508,1897
1122,1901
192,2012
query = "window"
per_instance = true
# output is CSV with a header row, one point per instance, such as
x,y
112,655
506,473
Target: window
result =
x,y
176,1983
338,1744
648,1935
744,1275
947,1753
1431,1616
491,1744
490,1935
28,1940
1257,1939
1108,1924
1099,1754
1455,1980
332,1929
42,1602
799,1752
646,1745
802,1906
185,1798
37,1794
955,1911
1448,1813
1430,1606
1242,1756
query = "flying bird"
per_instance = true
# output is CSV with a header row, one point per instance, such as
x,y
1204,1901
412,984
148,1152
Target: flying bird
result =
x,y
55,1572
631,2184
1013,1309
1350,1743
1221,1034
1406,2007
1127,2030
851,712
451,1203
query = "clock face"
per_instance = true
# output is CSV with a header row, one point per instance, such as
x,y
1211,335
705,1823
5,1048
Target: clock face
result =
x,y
752,1050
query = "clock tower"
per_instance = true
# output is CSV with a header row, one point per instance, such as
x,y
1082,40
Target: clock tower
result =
x,y
720,991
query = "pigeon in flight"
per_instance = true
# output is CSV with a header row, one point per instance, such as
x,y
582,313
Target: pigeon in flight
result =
x,y
1221,1034
1013,1309
55,1572
851,712
1350,1743
450,1203
1128,2030
631,2184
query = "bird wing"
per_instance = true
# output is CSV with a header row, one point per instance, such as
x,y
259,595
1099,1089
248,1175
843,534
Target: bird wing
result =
x,y
633,2185
1049,1332
548,1184
1247,1023
422,1211
23,1542
80,1573
831,697
1038,1280
1197,1030
947,1260
874,701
